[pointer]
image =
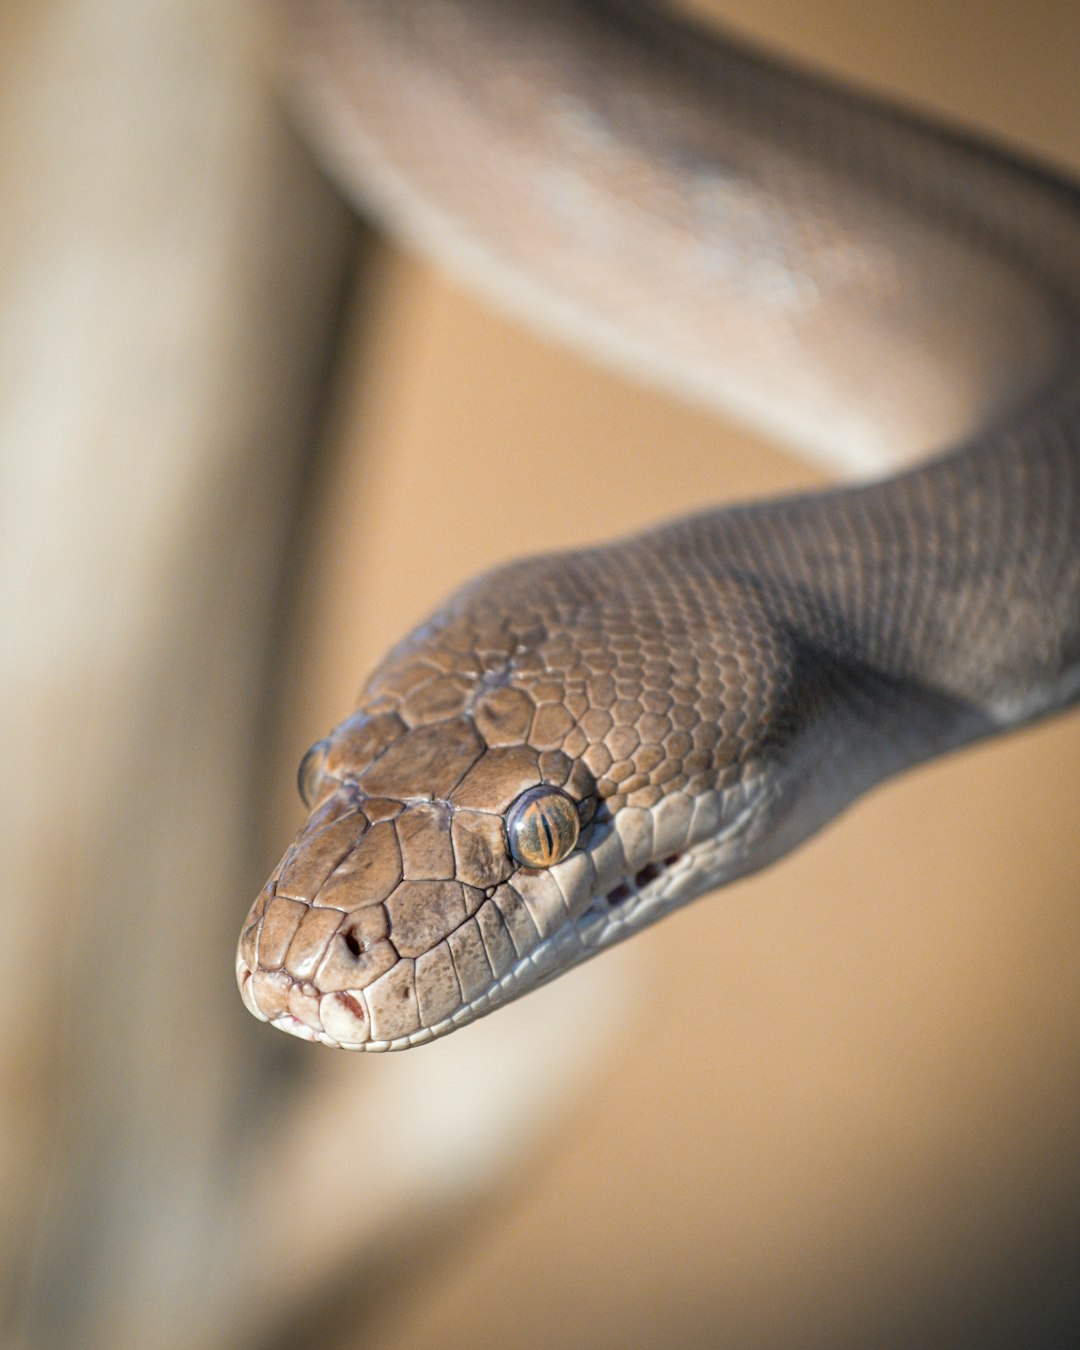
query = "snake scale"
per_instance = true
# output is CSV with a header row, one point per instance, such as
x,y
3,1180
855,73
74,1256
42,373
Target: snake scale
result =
x,y
575,744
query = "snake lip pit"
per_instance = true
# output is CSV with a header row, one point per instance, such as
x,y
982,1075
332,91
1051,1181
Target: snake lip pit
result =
x,y
625,890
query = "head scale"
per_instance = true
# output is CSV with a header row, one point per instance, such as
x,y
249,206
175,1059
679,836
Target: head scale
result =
x,y
533,775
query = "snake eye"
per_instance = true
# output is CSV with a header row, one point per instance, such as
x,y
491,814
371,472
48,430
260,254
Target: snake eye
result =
x,y
309,775
542,826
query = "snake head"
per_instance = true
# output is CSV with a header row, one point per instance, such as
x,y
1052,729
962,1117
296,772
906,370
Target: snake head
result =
x,y
511,797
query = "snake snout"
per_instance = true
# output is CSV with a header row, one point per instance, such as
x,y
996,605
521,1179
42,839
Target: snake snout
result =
x,y
385,920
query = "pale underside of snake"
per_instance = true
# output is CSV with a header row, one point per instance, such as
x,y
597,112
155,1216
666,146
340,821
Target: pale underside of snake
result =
x,y
576,744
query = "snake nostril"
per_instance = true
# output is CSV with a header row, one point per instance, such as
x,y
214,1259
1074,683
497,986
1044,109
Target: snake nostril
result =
x,y
353,943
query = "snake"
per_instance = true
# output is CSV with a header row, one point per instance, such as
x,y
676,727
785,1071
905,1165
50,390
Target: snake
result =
x,y
576,744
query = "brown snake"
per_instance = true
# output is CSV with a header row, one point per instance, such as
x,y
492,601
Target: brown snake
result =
x,y
576,744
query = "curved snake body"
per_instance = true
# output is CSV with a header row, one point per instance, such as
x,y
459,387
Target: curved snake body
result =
x,y
710,693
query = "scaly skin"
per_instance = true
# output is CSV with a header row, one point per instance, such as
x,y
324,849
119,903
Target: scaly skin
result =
x,y
712,692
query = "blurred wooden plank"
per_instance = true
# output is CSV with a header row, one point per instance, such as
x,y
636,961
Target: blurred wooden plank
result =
x,y
171,268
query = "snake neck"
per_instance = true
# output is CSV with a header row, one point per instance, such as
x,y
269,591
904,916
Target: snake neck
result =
x,y
941,604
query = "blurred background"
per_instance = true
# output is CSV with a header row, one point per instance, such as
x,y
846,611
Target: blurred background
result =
x,y
244,445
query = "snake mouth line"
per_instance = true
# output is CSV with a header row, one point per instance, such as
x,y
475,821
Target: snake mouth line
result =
x,y
342,1019
608,918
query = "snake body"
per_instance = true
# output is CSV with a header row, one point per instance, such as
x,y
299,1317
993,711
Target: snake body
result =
x,y
707,694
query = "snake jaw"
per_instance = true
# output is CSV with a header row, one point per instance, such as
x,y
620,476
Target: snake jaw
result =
x,y
390,976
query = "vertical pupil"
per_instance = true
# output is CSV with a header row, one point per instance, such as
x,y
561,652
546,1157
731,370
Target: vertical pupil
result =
x,y
542,827
547,834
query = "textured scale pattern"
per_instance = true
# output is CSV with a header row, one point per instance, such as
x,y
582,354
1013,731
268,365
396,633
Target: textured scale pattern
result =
x,y
402,884
709,693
